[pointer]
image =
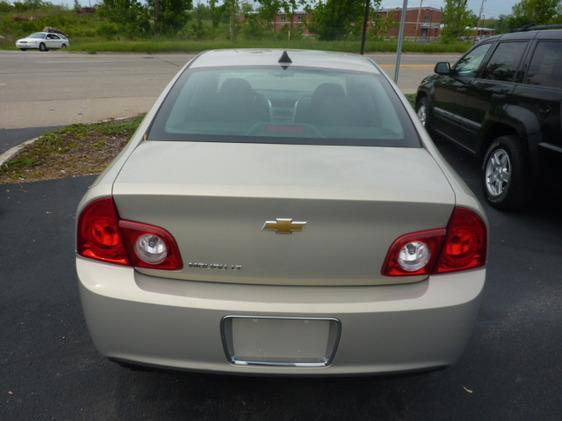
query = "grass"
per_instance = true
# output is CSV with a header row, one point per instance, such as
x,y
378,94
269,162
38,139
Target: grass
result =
x,y
411,98
192,46
79,149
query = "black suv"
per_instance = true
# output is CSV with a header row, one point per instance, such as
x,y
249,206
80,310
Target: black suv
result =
x,y
502,102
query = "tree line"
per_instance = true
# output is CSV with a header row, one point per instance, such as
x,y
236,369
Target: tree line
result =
x,y
328,19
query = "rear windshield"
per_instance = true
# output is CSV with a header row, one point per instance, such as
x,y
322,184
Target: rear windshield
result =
x,y
275,105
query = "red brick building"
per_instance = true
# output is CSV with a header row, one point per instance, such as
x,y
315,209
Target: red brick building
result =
x,y
299,20
421,22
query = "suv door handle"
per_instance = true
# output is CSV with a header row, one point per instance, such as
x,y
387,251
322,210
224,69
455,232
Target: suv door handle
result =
x,y
499,96
544,110
461,89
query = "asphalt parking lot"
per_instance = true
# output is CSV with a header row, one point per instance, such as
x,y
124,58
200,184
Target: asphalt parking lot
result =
x,y
512,368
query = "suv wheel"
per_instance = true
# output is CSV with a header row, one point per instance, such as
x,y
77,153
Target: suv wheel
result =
x,y
505,178
422,110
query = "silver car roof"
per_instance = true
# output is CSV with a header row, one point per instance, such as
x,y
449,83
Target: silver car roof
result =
x,y
270,57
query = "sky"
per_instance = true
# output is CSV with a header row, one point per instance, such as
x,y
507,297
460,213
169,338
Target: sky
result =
x,y
492,8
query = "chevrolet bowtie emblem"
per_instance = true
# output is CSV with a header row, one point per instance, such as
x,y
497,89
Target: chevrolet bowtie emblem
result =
x,y
283,226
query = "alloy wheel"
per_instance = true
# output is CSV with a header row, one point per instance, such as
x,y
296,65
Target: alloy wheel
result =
x,y
422,114
498,172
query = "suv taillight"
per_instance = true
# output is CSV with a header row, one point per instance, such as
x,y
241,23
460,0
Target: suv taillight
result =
x,y
101,235
461,246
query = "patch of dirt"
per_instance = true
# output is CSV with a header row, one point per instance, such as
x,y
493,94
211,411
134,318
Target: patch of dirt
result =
x,y
69,152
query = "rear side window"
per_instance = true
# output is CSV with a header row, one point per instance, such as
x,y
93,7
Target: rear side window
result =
x,y
504,61
296,105
546,66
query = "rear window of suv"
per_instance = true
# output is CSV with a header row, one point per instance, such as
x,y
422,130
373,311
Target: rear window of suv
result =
x,y
546,65
295,105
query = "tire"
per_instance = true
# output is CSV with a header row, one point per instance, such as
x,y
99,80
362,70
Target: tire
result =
x,y
63,46
422,106
23,49
505,174
42,47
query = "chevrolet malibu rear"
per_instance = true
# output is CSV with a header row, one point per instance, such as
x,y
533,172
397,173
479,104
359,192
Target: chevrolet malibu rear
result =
x,y
281,213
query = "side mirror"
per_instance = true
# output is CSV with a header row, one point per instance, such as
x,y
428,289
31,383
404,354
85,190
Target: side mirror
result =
x,y
443,68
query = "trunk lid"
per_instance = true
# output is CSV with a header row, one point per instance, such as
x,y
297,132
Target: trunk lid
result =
x,y
214,198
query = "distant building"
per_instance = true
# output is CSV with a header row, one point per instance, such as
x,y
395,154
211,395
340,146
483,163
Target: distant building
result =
x,y
482,32
421,22
300,18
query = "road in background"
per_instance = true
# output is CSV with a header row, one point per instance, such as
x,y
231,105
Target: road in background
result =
x,y
49,369
56,88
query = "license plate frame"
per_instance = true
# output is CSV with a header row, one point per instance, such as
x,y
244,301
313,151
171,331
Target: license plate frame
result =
x,y
324,359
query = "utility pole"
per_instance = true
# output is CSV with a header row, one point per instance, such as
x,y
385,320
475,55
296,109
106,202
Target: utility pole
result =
x,y
400,40
479,17
365,23
157,15
418,21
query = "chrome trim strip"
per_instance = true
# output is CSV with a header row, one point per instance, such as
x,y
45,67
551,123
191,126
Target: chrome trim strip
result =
x,y
550,147
333,341
457,118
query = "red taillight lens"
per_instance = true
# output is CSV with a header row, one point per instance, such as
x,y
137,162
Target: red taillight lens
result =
x,y
99,236
460,247
102,236
466,243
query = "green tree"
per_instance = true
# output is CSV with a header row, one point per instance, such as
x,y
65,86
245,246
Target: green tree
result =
x,y
196,28
216,12
334,19
169,15
130,16
457,17
538,12
5,6
501,24
268,10
380,22
232,12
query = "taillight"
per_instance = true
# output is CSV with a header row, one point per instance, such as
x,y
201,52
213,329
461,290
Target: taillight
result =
x,y
150,246
101,235
466,243
461,246
414,253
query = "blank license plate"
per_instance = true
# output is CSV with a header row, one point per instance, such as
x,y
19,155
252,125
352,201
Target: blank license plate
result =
x,y
305,342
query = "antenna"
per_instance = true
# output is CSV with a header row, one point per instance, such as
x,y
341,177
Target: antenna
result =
x,y
285,59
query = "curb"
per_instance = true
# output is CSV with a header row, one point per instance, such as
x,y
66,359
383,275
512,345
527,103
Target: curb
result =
x,y
10,153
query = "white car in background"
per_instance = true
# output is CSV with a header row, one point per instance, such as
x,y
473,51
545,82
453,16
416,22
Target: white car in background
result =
x,y
42,41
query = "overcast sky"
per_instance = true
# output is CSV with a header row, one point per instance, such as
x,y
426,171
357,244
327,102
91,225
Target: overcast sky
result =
x,y
492,8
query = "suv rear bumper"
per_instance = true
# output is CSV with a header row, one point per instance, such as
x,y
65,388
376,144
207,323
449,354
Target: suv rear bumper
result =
x,y
176,324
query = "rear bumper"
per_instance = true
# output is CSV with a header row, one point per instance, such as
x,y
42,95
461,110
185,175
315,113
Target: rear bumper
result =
x,y
154,321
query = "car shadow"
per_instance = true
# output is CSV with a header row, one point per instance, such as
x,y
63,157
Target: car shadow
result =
x,y
166,395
